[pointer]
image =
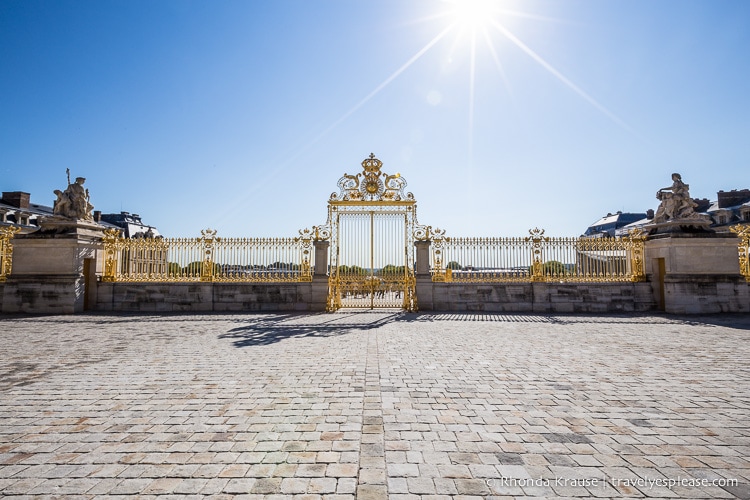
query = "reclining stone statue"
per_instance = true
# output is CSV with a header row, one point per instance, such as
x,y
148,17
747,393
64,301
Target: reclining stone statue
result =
x,y
676,202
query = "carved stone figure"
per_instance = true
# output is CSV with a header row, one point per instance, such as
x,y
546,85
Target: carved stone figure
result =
x,y
73,203
676,202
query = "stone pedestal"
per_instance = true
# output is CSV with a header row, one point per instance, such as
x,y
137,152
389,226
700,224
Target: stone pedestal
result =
x,y
696,273
319,293
423,285
697,225
55,269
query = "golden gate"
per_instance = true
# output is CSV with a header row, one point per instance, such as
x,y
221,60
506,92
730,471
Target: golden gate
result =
x,y
371,223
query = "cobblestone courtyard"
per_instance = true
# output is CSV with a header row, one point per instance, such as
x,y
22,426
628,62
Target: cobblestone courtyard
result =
x,y
375,405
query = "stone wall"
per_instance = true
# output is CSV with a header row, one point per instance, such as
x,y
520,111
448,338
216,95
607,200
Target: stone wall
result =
x,y
205,297
705,294
44,294
688,294
537,297
493,297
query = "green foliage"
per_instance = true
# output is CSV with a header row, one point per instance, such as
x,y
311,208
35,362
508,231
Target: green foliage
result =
x,y
453,265
194,269
552,268
353,270
391,270
173,269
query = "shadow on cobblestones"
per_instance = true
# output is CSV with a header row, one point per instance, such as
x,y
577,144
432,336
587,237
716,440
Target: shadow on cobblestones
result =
x,y
736,321
19,374
271,329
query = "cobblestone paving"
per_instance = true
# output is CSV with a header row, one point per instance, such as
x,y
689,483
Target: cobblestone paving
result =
x,y
375,405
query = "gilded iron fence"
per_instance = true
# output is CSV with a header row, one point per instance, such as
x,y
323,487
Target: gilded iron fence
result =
x,y
208,258
537,258
6,250
743,233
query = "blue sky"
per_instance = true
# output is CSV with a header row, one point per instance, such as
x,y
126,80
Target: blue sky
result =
x,y
242,115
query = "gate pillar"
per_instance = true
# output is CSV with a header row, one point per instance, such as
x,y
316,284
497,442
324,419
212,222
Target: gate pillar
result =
x,y
422,263
423,277
321,257
319,299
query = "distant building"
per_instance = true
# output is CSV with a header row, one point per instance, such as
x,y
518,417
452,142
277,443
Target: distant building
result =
x,y
17,210
608,225
131,224
731,207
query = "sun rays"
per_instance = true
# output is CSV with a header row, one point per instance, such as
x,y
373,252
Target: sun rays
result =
x,y
479,20
463,27
472,22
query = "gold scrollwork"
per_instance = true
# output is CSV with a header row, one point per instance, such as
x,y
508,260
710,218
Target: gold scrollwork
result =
x,y
371,184
305,239
208,239
111,241
743,248
537,240
421,232
6,250
635,245
438,239
322,233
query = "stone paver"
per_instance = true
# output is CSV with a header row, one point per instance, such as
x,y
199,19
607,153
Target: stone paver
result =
x,y
375,405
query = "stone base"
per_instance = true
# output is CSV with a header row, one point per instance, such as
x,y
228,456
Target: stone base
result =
x,y
319,293
696,273
423,288
54,269
697,225
205,297
693,253
44,294
55,225
705,294
537,297
53,253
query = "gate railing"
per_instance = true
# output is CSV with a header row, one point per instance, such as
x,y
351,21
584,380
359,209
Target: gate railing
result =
x,y
6,250
743,233
208,258
537,258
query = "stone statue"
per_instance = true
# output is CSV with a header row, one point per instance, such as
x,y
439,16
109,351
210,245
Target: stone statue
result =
x,y
676,202
73,203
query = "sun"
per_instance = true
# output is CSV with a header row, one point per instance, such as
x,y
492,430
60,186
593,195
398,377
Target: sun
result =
x,y
473,14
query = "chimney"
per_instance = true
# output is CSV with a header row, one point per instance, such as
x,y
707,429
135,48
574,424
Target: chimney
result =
x,y
703,204
726,199
16,199
97,215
